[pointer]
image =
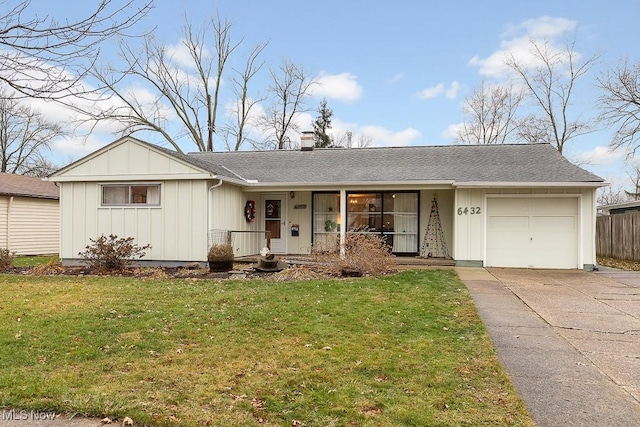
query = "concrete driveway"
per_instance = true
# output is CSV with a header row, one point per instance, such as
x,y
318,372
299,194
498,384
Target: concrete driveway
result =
x,y
570,340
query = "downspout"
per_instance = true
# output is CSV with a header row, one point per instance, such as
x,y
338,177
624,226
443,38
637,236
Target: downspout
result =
x,y
210,208
9,222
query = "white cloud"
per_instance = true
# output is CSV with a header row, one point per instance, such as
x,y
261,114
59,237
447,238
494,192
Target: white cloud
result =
x,y
516,42
600,156
382,137
181,56
77,147
431,92
540,28
452,131
396,78
452,92
343,87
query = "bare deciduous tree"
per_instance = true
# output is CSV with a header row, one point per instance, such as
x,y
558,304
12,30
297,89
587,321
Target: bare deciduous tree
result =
x,y
171,91
610,196
634,176
25,137
349,140
44,57
244,105
290,85
490,115
550,82
620,104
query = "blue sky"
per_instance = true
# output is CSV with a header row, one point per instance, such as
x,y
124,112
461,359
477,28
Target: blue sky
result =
x,y
398,71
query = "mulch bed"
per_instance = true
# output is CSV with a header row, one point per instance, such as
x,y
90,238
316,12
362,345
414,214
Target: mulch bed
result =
x,y
240,271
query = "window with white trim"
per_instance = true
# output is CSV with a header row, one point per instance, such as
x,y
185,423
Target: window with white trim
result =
x,y
130,195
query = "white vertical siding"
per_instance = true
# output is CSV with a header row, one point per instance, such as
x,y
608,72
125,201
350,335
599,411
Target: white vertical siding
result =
x,y
469,235
588,224
468,229
227,213
176,230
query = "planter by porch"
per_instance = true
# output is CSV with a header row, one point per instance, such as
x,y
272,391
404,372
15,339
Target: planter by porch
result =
x,y
219,266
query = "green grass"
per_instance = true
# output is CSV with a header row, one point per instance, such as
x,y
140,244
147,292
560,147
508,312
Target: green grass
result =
x,y
402,350
31,260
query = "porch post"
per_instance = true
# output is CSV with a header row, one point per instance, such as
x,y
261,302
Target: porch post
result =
x,y
343,220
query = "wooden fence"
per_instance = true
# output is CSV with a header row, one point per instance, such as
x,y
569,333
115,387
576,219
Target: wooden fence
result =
x,y
618,236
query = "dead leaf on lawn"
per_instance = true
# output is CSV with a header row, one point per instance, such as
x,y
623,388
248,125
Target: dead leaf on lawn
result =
x,y
127,421
373,412
257,403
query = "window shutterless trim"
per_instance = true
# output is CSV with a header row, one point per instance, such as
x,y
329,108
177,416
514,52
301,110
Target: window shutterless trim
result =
x,y
129,186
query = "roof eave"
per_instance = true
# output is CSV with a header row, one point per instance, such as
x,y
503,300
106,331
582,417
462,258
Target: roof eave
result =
x,y
302,184
515,184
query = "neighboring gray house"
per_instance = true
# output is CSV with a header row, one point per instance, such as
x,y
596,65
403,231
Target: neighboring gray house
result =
x,y
29,215
619,208
499,205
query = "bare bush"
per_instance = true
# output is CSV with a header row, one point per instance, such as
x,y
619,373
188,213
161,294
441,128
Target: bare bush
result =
x,y
6,258
51,268
106,254
365,252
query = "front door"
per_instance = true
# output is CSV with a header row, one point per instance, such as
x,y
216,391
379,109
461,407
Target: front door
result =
x,y
274,221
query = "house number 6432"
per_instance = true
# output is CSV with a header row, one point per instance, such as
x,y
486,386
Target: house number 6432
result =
x,y
474,210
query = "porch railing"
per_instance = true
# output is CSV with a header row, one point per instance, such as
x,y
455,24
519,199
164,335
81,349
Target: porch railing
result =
x,y
244,242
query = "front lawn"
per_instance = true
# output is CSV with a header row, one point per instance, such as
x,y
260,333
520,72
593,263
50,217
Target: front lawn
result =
x,y
401,350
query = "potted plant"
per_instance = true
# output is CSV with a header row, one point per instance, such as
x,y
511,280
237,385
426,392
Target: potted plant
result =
x,y
220,257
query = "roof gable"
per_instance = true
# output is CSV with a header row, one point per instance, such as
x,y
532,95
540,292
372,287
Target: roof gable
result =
x,y
129,158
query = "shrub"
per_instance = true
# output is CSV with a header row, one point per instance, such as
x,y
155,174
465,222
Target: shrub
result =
x,y
6,258
365,252
111,253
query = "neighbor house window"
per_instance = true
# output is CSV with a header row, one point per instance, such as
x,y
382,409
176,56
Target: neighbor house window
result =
x,y
130,194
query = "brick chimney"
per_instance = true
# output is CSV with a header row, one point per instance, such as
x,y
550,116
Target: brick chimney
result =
x,y
306,141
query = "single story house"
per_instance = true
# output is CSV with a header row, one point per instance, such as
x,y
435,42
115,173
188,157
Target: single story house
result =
x,y
29,215
619,208
498,205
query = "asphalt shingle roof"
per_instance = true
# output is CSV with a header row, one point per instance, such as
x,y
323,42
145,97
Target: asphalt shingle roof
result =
x,y
27,186
460,163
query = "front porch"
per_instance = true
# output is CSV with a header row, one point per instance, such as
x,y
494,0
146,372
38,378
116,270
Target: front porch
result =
x,y
403,262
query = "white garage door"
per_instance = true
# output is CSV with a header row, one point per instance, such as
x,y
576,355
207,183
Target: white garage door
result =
x,y
532,232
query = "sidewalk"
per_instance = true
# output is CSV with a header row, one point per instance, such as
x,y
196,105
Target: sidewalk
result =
x,y
570,341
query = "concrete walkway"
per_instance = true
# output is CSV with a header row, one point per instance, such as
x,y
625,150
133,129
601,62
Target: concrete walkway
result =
x,y
570,340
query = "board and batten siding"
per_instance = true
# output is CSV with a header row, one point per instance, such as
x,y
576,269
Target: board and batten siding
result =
x,y
176,230
29,226
470,230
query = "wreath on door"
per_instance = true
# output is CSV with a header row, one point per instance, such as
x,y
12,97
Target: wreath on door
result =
x,y
250,211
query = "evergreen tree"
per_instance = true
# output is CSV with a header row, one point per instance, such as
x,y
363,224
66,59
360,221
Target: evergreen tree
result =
x,y
321,125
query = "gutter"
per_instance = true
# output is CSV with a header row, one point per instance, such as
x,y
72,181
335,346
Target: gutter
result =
x,y
510,184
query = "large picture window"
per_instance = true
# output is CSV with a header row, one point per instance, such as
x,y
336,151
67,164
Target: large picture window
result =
x,y
394,215
130,195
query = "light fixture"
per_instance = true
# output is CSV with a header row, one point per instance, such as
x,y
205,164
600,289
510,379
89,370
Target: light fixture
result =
x,y
292,194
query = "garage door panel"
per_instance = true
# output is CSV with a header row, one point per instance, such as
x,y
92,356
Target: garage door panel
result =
x,y
508,222
532,232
